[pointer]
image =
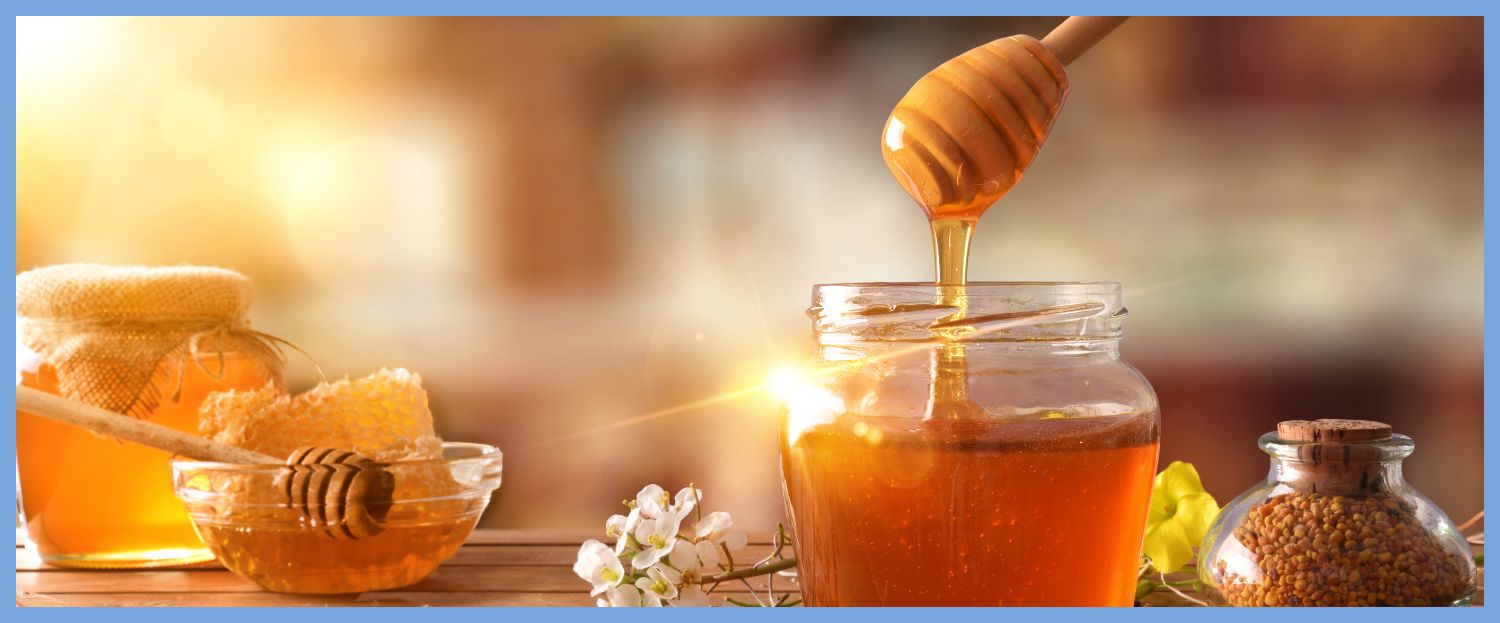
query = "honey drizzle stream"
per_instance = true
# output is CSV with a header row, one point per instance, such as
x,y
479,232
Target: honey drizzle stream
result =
x,y
949,395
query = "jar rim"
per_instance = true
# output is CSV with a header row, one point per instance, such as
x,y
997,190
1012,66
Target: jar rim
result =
x,y
1030,312
980,288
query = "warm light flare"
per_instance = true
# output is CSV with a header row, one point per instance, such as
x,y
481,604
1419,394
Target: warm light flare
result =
x,y
806,403
784,380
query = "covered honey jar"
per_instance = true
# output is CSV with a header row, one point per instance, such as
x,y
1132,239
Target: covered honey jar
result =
x,y
1335,524
149,342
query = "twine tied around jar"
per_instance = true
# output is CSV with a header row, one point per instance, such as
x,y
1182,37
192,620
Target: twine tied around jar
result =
x,y
112,332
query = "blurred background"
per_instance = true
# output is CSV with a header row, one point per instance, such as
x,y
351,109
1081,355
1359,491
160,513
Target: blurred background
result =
x,y
568,224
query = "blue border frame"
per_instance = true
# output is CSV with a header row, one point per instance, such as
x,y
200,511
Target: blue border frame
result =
x,y
782,7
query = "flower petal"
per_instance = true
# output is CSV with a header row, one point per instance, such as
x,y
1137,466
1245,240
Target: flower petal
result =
x,y
592,556
644,530
649,597
713,525
687,498
708,555
664,581
691,597
667,526
736,540
666,574
624,596
1177,480
683,558
647,557
1167,546
615,526
1195,513
651,500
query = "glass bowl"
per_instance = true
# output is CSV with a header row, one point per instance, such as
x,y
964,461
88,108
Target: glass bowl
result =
x,y
242,514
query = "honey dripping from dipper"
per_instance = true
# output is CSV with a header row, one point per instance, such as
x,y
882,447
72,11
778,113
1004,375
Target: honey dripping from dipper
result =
x,y
957,142
1017,490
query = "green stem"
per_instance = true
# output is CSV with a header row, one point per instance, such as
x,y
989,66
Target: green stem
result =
x,y
753,571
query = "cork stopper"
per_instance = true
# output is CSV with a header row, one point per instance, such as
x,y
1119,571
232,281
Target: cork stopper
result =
x,y
1333,431
1336,457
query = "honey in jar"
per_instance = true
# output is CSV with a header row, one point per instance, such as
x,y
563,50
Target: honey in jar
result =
x,y
150,342
1034,493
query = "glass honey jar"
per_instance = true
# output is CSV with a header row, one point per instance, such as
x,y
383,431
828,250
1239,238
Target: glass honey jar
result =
x,y
147,342
973,445
1335,524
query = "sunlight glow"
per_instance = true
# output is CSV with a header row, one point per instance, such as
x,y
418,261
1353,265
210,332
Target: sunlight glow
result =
x,y
784,380
52,49
809,405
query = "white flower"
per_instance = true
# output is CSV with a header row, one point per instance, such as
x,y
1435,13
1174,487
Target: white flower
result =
x,y
691,596
695,562
656,538
687,499
660,584
599,565
653,502
718,528
625,596
620,525
659,558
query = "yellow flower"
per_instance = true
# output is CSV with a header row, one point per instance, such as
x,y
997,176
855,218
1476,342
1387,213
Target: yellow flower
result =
x,y
1180,515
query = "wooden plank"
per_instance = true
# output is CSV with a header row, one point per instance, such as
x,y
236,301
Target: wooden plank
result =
x,y
497,568
519,536
26,560
469,556
559,555
264,599
501,536
515,579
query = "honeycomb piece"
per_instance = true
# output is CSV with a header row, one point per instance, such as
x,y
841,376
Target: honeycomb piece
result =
x,y
383,416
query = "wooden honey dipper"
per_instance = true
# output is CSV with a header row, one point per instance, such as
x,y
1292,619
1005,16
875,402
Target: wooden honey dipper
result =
x,y
345,493
963,135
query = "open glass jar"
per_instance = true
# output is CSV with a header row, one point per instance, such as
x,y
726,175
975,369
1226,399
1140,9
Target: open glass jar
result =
x,y
983,445
1335,524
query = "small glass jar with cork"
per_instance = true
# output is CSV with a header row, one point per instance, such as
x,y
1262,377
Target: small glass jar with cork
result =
x,y
1335,524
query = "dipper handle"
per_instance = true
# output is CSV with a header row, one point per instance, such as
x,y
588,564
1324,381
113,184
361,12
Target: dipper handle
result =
x,y
342,494
1077,34
53,407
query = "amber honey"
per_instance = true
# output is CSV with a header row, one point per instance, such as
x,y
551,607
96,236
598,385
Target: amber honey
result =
x,y
288,559
92,501
981,512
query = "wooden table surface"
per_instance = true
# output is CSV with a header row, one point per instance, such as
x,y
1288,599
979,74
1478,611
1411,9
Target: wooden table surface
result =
x,y
495,568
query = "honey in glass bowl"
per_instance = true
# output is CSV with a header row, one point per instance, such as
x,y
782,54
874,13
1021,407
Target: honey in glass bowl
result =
x,y
242,515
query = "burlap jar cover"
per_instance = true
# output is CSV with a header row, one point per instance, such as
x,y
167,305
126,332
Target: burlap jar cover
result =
x,y
113,332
